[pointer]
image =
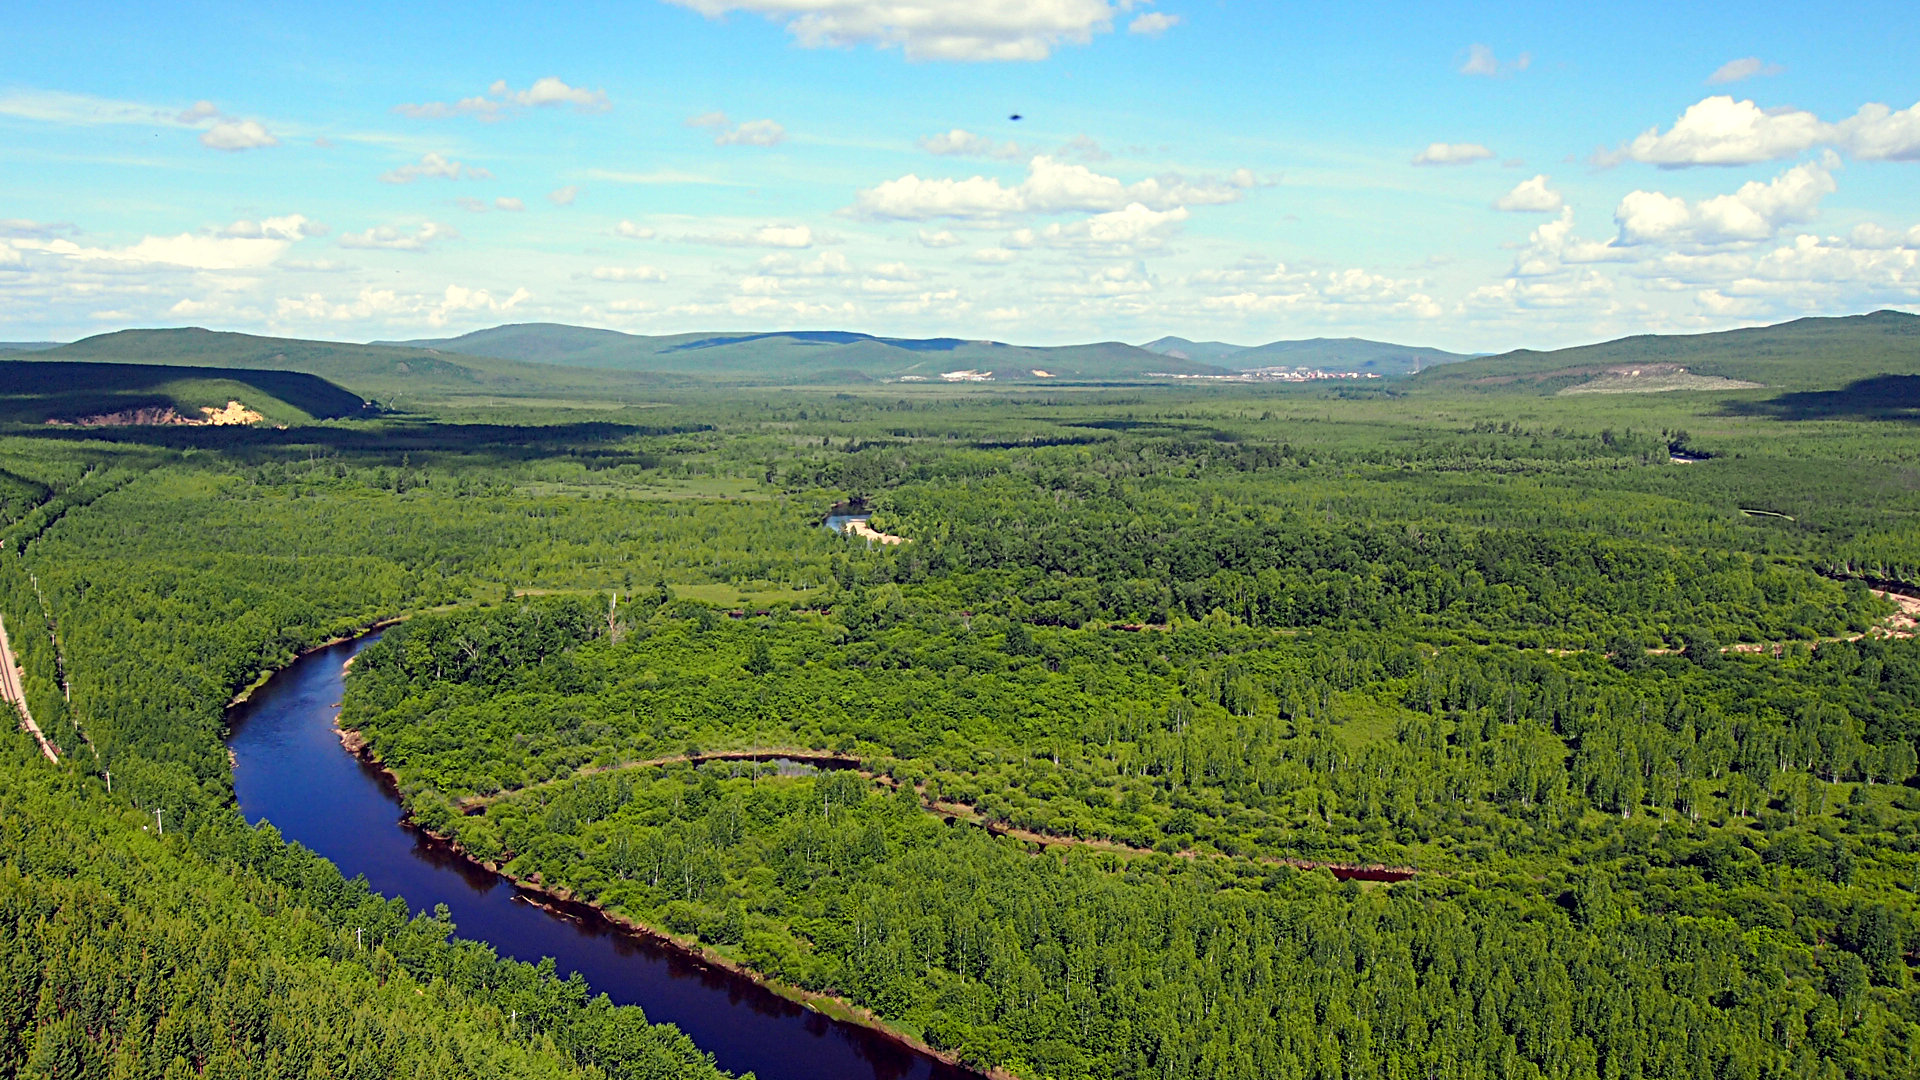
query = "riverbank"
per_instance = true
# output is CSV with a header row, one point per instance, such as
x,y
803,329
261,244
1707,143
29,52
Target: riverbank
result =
x,y
246,692
564,903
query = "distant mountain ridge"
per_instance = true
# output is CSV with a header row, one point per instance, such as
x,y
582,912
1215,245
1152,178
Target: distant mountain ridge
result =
x,y
1821,353
811,355
1322,354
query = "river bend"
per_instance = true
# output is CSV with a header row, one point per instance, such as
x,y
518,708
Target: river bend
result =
x,y
291,770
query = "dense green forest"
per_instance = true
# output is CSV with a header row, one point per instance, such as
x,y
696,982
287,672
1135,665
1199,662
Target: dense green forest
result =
x,y
1644,731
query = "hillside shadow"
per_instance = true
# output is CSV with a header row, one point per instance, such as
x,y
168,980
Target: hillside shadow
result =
x,y
1882,397
392,440
36,389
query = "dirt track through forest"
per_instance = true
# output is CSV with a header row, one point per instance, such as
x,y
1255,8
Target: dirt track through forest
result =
x,y
14,692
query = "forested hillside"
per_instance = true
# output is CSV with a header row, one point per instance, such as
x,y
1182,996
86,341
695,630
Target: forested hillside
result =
x,y
1627,745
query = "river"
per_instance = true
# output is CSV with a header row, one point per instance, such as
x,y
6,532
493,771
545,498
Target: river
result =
x,y
291,770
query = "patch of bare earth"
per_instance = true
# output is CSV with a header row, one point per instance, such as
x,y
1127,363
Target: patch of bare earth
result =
x,y
232,414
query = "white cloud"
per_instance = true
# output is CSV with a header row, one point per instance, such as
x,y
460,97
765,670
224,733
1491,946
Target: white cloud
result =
x,y
1531,197
501,99
1878,133
433,166
1051,187
1482,61
287,227
390,304
629,273
1536,294
1283,289
962,143
937,238
627,230
1721,131
237,135
1131,229
564,196
1084,148
707,120
388,238
512,206
1755,212
773,236
188,250
1744,68
1452,154
548,92
220,131
1153,24
993,256
484,109
753,133
784,265
933,29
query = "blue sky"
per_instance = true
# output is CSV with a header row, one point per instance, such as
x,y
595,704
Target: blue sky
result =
x,y
1457,175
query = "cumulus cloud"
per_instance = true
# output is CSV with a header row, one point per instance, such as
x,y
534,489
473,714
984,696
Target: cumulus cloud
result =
x,y
707,120
937,238
1153,23
1531,197
388,238
933,29
1721,131
1463,153
390,304
564,196
511,206
962,143
1878,133
501,99
1755,212
753,133
1482,61
1050,187
237,135
1283,289
432,166
629,273
993,256
1744,68
288,227
627,230
1133,228
773,236
827,264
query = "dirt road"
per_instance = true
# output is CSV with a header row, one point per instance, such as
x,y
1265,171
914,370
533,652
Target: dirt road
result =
x,y
15,694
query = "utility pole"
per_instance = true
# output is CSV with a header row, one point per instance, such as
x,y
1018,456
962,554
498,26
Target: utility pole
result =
x,y
158,824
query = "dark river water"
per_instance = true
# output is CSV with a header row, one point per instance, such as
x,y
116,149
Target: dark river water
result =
x,y
292,771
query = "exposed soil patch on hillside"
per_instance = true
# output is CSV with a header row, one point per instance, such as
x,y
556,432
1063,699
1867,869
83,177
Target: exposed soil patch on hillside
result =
x,y
233,413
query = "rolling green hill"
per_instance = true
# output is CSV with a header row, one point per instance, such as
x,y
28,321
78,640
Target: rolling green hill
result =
x,y
37,392
1324,354
381,372
1815,354
810,356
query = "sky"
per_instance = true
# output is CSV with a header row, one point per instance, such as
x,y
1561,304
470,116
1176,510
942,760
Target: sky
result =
x,y
1467,176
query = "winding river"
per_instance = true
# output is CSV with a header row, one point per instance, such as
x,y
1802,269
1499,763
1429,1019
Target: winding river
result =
x,y
291,770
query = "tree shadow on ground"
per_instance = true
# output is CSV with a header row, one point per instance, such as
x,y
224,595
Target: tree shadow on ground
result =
x,y
1882,397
